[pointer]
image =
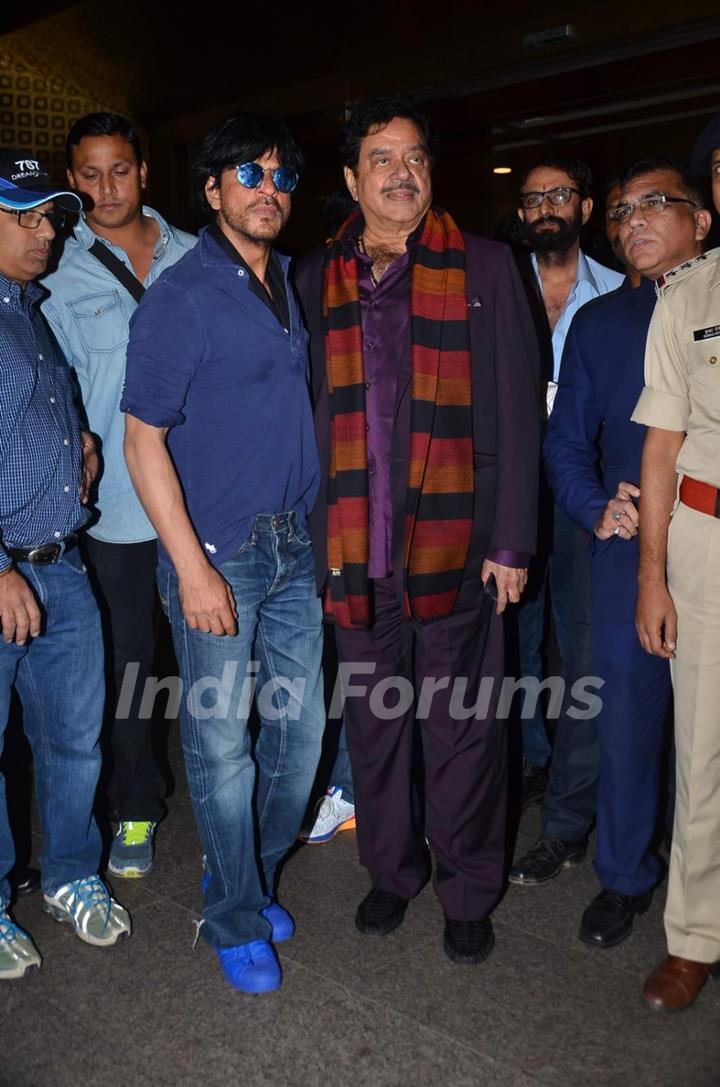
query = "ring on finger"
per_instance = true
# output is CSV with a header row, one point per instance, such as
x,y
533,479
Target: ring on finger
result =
x,y
617,529
617,515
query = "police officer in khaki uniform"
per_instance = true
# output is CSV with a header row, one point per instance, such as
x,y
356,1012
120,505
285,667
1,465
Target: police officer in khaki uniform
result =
x,y
678,612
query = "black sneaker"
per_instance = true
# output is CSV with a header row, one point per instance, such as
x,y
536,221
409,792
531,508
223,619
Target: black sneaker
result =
x,y
608,920
380,912
468,942
545,860
534,783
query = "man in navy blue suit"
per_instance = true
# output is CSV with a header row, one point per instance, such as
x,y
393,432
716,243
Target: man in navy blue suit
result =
x,y
592,456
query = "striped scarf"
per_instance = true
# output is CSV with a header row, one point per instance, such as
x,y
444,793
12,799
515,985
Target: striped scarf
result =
x,y
439,511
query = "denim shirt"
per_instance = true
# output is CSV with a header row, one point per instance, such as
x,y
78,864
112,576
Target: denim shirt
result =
x,y
89,311
209,360
591,280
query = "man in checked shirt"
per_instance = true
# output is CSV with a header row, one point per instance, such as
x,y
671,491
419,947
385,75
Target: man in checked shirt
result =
x,y
51,649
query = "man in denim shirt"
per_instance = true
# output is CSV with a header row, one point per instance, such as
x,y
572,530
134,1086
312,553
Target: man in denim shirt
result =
x,y
89,310
221,447
51,647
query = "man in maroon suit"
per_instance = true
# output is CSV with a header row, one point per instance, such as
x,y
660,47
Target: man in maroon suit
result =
x,y
425,383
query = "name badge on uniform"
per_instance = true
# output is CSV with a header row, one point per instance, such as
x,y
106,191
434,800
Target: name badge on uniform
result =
x,y
706,333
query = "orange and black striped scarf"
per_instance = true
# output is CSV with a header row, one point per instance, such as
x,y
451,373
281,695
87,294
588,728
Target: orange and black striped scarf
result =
x,y
438,516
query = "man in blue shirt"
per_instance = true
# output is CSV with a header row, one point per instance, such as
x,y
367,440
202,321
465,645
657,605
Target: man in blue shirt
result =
x,y
555,203
89,310
592,456
221,448
51,651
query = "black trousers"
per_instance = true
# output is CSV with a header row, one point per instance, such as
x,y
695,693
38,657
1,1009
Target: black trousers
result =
x,y
124,580
462,765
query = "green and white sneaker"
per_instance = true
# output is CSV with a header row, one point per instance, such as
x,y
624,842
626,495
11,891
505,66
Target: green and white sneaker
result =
x,y
86,904
18,954
131,854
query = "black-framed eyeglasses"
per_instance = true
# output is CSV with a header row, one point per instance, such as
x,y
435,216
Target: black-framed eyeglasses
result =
x,y
31,219
652,204
251,174
558,196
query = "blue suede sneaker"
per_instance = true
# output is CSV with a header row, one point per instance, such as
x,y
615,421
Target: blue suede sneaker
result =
x,y
252,968
283,926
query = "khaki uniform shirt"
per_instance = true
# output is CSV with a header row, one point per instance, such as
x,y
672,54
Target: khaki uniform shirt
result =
x,y
682,365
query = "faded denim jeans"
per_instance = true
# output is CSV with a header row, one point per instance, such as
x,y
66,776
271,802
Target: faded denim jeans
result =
x,y
249,803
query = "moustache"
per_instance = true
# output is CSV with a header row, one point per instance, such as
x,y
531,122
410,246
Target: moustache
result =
x,y
400,185
267,202
546,220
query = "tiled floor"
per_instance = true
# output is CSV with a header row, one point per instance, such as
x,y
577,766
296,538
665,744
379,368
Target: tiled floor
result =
x,y
353,1011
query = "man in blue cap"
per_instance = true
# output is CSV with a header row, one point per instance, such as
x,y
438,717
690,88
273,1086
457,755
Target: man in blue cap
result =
x,y
51,649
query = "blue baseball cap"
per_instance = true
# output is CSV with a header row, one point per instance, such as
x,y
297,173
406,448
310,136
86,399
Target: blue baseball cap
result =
x,y
24,184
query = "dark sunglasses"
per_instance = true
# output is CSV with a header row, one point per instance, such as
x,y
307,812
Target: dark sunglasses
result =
x,y
251,174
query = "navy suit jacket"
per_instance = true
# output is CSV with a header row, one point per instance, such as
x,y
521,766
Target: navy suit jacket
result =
x,y
591,444
505,398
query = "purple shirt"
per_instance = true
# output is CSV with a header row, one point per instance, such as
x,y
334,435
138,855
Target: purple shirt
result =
x,y
387,359
385,315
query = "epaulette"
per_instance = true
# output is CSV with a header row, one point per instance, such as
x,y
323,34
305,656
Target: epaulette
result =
x,y
679,272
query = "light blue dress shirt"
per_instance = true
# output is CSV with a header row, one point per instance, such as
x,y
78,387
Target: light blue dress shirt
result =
x,y
89,311
592,279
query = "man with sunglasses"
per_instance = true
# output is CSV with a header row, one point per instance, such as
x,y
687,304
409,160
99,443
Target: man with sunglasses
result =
x,y
118,247
221,449
679,592
592,457
559,278
51,648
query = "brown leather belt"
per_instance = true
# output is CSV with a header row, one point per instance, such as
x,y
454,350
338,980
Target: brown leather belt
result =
x,y
700,496
46,554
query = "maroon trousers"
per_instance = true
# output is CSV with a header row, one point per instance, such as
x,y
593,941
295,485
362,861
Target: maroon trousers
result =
x,y
433,769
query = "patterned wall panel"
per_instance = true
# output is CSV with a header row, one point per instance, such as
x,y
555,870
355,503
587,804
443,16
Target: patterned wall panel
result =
x,y
40,98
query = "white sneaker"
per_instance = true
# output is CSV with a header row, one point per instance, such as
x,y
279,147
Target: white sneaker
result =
x,y
18,954
86,904
333,814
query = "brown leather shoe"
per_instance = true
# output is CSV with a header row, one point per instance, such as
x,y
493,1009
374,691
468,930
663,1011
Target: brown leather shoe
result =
x,y
676,983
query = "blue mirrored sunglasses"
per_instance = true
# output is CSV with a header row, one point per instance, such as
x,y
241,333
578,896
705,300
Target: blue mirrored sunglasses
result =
x,y
251,174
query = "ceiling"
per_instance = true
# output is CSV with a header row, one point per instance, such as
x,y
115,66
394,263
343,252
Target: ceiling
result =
x,y
169,62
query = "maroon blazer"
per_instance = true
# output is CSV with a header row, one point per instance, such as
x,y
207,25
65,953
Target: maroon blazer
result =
x,y
505,395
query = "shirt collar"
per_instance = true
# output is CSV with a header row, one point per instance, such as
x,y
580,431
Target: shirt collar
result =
x,y
583,273
11,293
86,236
355,227
212,253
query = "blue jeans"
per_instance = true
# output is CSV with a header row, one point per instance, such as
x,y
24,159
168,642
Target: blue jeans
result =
x,y
249,804
59,678
341,775
556,572
568,809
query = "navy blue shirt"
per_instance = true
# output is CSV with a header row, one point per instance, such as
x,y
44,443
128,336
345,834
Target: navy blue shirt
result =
x,y
40,444
210,361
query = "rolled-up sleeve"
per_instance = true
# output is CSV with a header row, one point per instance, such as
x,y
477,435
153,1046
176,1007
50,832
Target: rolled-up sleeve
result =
x,y
664,402
166,346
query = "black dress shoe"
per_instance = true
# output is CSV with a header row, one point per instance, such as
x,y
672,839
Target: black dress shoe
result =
x,y
534,782
26,882
468,942
608,920
380,912
545,860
